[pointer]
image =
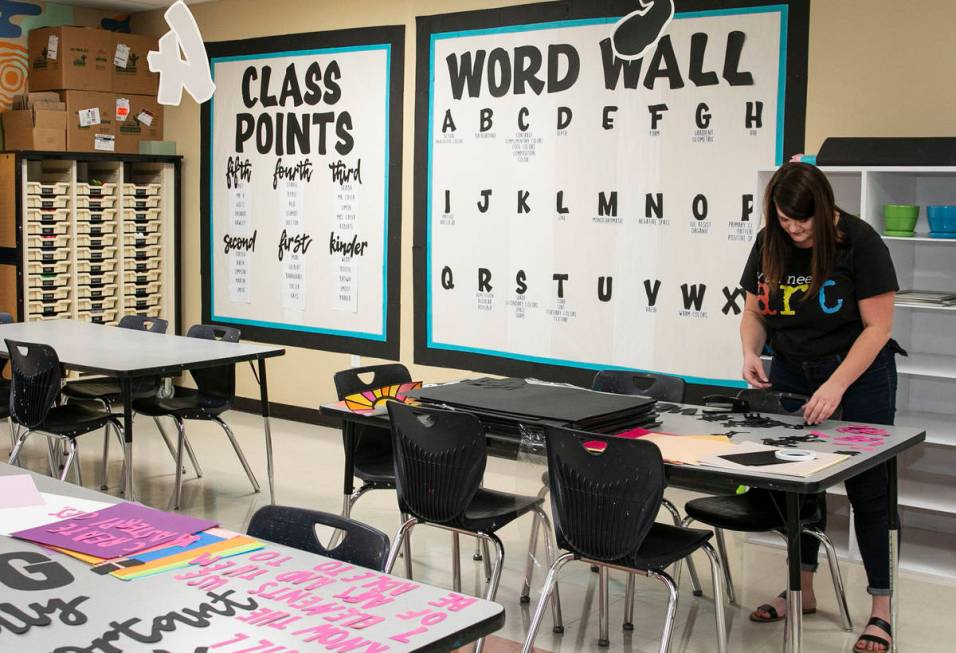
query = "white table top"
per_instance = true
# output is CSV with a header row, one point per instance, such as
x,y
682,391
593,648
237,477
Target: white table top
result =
x,y
267,579
109,350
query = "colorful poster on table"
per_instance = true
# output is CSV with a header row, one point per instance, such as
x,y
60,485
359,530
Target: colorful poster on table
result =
x,y
301,189
578,211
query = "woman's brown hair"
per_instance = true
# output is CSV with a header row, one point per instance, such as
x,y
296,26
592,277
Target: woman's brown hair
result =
x,y
799,191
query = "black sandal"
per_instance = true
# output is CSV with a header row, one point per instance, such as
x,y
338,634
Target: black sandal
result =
x,y
772,611
875,639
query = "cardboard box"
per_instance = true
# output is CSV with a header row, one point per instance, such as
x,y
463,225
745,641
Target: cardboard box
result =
x,y
135,76
43,100
83,59
89,115
144,121
34,129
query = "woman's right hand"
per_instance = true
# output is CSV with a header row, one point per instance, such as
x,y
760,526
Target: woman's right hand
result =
x,y
753,372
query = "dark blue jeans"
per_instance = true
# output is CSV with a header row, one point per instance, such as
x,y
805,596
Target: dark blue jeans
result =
x,y
870,400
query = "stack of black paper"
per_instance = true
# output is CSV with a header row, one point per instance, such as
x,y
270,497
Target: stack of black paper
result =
x,y
513,402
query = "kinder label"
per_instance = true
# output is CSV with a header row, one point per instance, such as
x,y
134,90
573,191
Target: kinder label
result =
x,y
121,56
122,108
52,45
145,117
104,142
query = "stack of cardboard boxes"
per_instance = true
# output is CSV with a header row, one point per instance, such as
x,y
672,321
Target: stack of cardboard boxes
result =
x,y
103,81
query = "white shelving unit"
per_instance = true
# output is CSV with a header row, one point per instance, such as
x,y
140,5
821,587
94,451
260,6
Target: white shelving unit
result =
x,y
926,397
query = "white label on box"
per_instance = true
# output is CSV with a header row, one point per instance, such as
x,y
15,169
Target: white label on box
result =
x,y
89,117
122,108
145,117
52,45
104,142
121,57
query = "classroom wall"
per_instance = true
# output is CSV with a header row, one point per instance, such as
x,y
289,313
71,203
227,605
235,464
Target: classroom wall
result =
x,y
876,68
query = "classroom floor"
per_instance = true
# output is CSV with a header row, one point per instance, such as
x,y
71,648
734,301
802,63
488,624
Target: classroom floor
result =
x,y
309,474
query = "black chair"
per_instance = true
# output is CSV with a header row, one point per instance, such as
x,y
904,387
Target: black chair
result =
x,y
34,391
107,392
372,460
6,318
440,458
361,545
763,511
215,391
604,505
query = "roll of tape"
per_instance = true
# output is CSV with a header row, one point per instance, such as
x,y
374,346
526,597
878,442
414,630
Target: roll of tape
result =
x,y
795,455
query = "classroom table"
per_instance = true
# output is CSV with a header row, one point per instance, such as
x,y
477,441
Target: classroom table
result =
x,y
347,607
695,420
127,354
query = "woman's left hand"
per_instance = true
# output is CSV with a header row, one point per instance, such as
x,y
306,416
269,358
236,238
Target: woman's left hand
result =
x,y
823,402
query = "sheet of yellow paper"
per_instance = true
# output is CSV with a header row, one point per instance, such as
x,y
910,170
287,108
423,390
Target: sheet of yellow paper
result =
x,y
688,450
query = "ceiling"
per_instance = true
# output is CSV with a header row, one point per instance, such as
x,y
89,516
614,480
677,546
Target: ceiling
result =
x,y
128,6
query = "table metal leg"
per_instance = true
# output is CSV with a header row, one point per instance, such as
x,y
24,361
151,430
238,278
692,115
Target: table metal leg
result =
x,y
794,642
264,400
893,496
126,390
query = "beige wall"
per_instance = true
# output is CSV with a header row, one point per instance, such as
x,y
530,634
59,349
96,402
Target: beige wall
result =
x,y
876,68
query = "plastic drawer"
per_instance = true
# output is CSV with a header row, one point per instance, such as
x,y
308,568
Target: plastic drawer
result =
x,y
96,293
49,280
45,268
48,216
65,315
95,253
92,190
141,303
48,295
96,278
48,242
53,202
95,216
96,229
95,203
48,308
146,276
155,311
96,305
143,226
99,317
53,229
141,266
140,240
48,188
141,190
142,289
96,267
48,256
87,240
141,203
140,253
141,215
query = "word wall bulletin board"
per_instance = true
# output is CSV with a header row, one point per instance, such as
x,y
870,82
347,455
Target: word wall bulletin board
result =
x,y
577,211
301,208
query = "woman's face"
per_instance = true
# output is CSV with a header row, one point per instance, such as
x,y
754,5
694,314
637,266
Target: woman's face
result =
x,y
800,231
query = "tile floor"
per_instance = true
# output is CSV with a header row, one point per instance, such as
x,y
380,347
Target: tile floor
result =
x,y
309,474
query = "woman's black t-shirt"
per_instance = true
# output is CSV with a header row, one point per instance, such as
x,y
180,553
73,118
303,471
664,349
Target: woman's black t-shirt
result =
x,y
802,328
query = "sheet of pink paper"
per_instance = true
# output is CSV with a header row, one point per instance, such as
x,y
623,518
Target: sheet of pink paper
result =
x,y
119,530
19,491
631,434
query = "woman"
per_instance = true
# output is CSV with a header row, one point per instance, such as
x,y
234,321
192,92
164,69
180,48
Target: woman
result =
x,y
820,286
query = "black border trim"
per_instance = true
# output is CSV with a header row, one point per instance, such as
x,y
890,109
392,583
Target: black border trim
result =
x,y
394,35
798,26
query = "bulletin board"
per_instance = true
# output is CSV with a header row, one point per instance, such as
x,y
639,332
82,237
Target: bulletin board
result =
x,y
576,211
301,184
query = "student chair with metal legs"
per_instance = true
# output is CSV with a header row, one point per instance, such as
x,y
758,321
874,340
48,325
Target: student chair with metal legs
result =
x,y
440,458
214,394
34,391
107,392
762,511
371,450
359,545
604,501
6,318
